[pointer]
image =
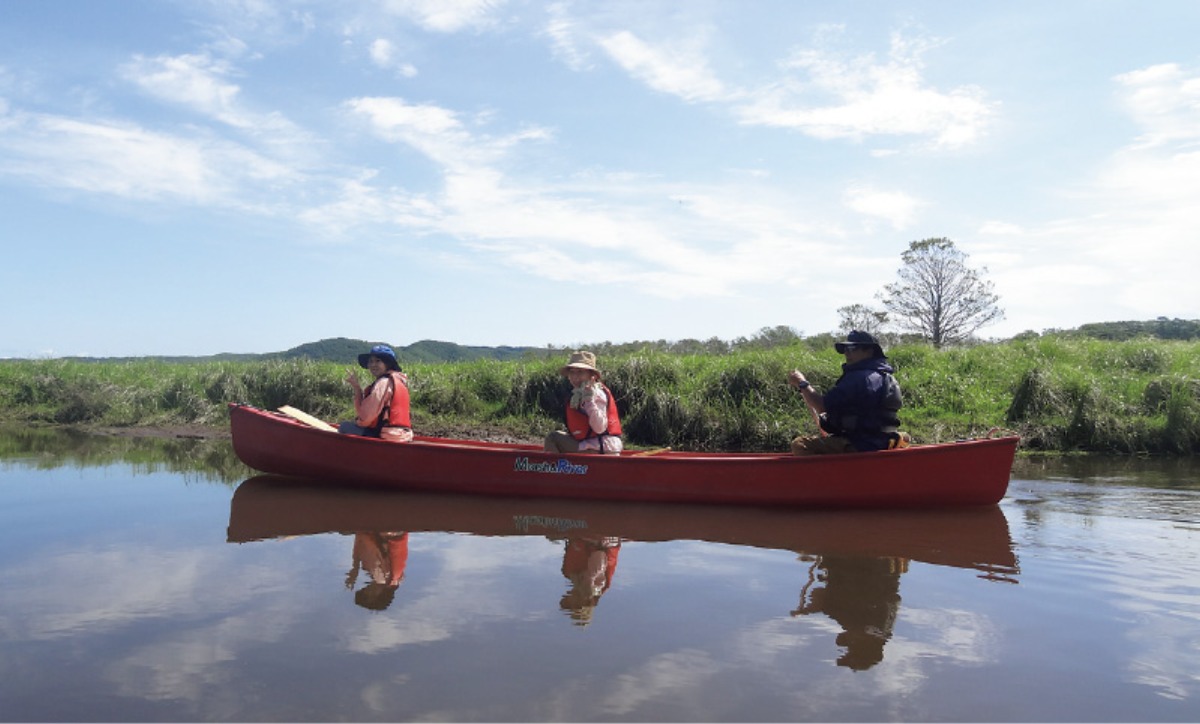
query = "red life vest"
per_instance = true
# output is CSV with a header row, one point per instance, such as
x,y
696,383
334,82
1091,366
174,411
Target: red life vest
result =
x,y
578,553
581,429
397,407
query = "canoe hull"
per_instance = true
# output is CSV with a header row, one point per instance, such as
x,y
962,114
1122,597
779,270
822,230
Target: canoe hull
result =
x,y
974,472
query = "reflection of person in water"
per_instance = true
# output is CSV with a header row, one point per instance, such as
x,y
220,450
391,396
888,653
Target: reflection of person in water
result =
x,y
383,556
863,595
589,564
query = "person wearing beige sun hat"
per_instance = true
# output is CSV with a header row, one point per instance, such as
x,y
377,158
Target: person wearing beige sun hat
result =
x,y
592,421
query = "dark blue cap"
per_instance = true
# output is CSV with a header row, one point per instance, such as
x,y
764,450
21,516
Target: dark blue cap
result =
x,y
383,352
859,339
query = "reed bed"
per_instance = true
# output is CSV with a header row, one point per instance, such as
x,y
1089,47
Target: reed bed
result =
x,y
1138,396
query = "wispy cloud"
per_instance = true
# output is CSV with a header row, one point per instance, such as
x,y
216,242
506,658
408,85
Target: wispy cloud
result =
x,y
126,160
817,90
564,33
200,82
680,70
1165,100
829,96
1135,241
897,208
446,16
522,223
384,54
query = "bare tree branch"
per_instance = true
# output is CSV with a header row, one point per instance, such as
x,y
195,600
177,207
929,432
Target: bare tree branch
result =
x,y
938,296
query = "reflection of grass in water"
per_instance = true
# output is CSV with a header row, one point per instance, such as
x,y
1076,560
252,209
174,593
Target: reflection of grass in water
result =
x,y
1064,394
46,449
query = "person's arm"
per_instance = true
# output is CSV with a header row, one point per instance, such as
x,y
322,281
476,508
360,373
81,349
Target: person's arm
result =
x,y
596,407
352,380
367,406
814,399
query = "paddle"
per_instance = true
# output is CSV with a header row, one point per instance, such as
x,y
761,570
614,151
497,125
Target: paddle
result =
x,y
307,418
652,451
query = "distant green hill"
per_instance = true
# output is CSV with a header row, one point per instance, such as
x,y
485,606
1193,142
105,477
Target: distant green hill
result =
x,y
341,349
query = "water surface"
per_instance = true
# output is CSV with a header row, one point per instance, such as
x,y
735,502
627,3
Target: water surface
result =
x,y
160,581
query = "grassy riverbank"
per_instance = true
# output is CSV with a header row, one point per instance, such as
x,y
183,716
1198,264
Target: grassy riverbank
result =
x,y
1061,394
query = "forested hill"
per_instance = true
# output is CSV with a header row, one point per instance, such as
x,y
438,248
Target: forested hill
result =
x,y
1161,328
342,349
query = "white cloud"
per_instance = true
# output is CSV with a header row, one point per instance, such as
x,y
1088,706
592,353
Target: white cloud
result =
x,y
710,243
831,97
681,71
818,91
384,54
1000,228
896,207
193,80
563,32
446,16
199,82
128,161
1165,100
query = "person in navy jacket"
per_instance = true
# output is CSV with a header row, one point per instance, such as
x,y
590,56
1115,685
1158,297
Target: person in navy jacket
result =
x,y
860,412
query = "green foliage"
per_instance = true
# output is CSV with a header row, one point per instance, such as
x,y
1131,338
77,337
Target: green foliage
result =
x,y
1161,328
1060,392
210,460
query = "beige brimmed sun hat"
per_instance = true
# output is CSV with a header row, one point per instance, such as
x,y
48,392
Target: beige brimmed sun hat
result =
x,y
581,361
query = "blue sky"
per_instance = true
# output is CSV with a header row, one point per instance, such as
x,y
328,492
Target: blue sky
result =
x,y
245,175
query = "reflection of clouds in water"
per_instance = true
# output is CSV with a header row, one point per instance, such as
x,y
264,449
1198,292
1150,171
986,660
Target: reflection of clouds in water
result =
x,y
1163,598
767,640
1146,569
379,634
964,638
674,675
189,666
94,592
124,589
471,588
380,696
716,560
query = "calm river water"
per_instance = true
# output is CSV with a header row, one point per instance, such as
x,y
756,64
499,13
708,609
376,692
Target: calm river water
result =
x,y
152,580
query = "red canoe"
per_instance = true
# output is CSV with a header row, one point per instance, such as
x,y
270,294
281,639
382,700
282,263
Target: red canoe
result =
x,y
971,472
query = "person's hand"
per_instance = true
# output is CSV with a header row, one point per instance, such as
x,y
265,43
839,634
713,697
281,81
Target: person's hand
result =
x,y
795,378
582,394
352,379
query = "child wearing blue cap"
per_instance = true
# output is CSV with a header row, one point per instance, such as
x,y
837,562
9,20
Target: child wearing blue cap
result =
x,y
382,409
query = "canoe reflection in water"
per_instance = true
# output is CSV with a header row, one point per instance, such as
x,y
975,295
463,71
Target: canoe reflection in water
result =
x,y
853,558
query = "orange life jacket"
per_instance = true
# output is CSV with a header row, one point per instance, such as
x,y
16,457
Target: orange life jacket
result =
x,y
396,408
581,429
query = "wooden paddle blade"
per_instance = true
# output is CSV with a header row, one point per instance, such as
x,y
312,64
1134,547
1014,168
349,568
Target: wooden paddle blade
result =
x,y
307,418
653,451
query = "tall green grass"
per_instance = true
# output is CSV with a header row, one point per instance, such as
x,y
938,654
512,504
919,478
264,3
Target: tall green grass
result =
x,y
1062,394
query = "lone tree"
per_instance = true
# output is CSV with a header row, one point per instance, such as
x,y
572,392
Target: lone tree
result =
x,y
937,296
862,318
